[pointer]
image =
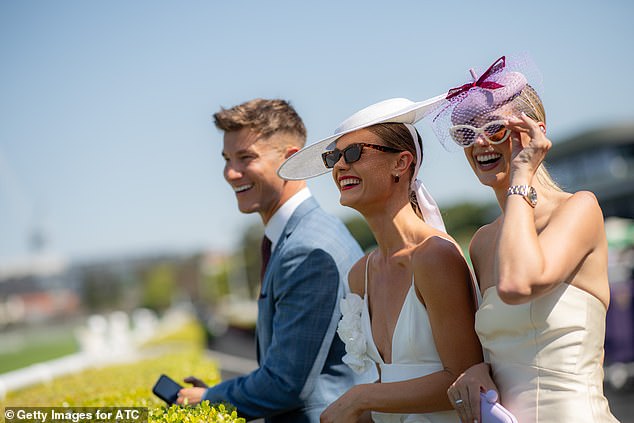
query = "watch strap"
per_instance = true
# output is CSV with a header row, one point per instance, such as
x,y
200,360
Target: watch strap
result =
x,y
526,191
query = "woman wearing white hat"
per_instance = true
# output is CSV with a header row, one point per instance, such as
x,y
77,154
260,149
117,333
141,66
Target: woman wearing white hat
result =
x,y
541,265
411,308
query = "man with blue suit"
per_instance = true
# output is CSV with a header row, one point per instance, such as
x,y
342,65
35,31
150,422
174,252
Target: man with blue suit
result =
x,y
299,354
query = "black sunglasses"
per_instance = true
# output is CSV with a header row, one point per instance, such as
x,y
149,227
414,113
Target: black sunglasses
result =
x,y
352,153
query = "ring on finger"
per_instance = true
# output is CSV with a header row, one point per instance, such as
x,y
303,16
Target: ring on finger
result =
x,y
458,402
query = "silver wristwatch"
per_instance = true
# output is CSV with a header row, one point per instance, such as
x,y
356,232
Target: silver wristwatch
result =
x,y
526,191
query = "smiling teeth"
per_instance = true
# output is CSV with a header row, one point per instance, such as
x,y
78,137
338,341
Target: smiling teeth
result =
x,y
242,188
349,181
488,157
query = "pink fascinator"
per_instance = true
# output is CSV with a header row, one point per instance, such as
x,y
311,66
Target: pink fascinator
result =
x,y
484,98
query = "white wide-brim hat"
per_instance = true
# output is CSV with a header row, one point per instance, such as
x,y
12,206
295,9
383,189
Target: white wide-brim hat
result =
x,y
307,162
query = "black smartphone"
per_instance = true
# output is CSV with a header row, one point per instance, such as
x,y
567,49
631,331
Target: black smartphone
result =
x,y
166,389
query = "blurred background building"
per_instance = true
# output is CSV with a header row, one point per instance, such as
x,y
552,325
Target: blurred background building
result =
x,y
601,161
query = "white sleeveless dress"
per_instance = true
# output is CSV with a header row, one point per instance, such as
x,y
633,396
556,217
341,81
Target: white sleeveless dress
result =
x,y
413,350
546,355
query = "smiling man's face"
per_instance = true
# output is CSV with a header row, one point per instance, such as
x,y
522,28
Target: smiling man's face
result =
x,y
251,165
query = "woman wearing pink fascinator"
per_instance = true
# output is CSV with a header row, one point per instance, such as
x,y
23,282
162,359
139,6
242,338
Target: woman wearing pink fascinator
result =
x,y
541,265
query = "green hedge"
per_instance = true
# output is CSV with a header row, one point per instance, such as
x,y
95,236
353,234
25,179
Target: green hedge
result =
x,y
179,354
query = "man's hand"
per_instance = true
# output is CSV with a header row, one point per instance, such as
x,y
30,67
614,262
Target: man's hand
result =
x,y
190,396
197,383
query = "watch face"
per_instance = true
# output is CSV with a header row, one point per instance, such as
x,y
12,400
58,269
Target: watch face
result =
x,y
532,196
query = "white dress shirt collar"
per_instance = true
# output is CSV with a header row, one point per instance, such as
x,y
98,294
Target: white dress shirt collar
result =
x,y
275,227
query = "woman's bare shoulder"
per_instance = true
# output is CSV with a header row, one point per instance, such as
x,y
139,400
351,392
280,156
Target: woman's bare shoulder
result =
x,y
438,256
585,200
484,237
356,276
580,209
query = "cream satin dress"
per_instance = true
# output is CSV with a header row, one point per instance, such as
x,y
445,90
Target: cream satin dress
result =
x,y
414,354
546,355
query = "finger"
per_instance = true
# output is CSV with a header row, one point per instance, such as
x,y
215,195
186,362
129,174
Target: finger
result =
x,y
466,405
522,120
460,407
518,125
526,118
516,119
474,402
532,124
195,382
461,412
452,394
516,141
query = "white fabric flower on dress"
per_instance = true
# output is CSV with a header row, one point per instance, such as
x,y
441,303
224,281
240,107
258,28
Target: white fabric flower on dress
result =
x,y
349,330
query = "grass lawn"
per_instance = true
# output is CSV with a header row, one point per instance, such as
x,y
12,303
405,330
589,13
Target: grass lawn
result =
x,y
22,348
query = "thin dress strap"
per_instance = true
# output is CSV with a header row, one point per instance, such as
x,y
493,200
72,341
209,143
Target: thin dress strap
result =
x,y
367,261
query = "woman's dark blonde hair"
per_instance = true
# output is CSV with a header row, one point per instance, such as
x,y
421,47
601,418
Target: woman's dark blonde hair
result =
x,y
396,135
528,101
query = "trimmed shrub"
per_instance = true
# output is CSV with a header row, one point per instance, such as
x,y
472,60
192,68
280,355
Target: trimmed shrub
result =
x,y
178,354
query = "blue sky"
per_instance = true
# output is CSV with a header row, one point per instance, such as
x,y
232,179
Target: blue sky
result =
x,y
106,138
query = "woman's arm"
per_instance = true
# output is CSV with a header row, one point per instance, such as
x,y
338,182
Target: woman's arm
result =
x,y
530,263
444,280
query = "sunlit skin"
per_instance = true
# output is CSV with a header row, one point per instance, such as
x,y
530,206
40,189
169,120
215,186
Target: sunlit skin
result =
x,y
251,165
527,252
371,190
406,246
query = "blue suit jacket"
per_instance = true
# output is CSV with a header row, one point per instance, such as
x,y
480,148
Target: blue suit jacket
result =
x,y
299,353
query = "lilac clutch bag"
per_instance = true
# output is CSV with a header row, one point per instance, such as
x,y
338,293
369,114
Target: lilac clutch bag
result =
x,y
492,411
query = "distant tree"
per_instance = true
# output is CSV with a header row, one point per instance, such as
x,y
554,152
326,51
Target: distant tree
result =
x,y
159,286
248,256
462,220
101,288
360,230
215,285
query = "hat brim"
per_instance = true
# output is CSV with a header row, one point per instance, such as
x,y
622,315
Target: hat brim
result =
x,y
307,162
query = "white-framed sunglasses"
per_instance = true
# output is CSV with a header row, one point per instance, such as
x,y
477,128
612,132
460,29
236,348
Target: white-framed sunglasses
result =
x,y
465,135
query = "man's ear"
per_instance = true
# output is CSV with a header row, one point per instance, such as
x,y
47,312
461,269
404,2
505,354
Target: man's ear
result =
x,y
290,151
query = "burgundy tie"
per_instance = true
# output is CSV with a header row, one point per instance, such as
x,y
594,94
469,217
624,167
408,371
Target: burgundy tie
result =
x,y
266,255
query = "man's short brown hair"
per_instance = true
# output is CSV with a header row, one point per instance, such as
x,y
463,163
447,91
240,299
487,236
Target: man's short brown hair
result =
x,y
264,117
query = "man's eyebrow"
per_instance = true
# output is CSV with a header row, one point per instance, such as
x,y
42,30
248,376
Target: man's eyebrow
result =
x,y
239,152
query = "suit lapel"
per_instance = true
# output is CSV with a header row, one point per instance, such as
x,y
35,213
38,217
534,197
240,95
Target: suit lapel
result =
x,y
301,211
